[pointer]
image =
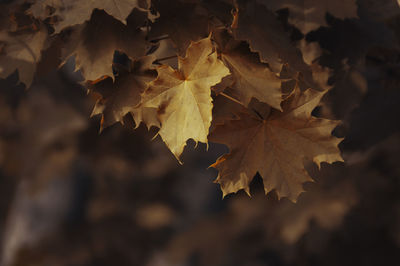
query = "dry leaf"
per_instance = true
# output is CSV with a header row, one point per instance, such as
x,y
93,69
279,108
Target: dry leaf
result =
x,y
73,12
260,27
275,146
120,97
225,110
182,22
22,52
93,44
308,15
252,79
183,96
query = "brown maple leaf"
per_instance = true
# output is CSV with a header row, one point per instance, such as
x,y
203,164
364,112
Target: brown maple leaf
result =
x,y
257,25
225,109
308,15
73,12
21,51
220,10
275,145
120,97
183,97
93,44
182,22
250,77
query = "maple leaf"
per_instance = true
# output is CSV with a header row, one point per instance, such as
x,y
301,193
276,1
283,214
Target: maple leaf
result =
x,y
147,115
225,110
120,97
308,15
182,22
251,78
275,146
183,96
73,12
257,25
93,44
220,9
21,51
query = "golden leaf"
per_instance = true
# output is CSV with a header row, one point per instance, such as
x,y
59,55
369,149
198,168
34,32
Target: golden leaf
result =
x,y
183,97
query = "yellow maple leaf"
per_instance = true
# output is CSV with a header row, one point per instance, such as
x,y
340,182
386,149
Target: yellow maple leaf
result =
x,y
183,97
275,146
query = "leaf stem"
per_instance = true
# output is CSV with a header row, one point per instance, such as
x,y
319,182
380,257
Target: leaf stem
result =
x,y
232,99
165,58
160,38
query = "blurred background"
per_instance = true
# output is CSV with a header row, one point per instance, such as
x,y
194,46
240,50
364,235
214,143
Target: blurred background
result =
x,y
72,196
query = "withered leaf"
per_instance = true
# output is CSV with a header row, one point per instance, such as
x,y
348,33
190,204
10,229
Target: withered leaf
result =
x,y
308,15
251,78
182,22
73,12
220,9
120,96
276,146
93,44
183,96
224,110
256,24
21,51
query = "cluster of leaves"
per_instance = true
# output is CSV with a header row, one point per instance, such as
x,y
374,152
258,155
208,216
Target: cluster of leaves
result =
x,y
119,198
229,72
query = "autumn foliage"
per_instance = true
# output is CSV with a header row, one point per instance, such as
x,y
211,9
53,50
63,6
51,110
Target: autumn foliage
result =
x,y
116,116
229,72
